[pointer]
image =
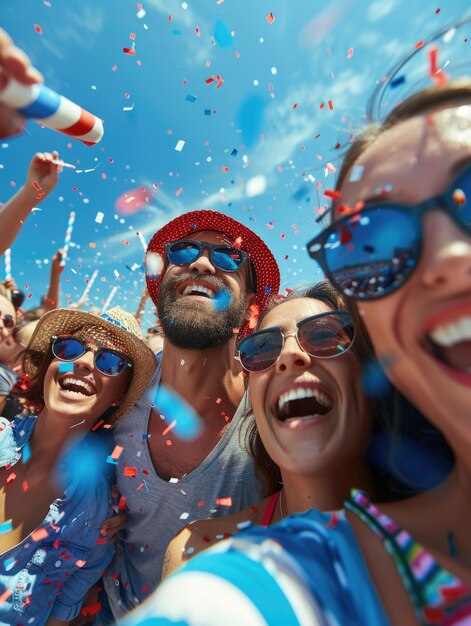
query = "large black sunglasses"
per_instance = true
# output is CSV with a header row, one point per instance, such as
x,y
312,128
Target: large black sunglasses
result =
x,y
323,336
370,254
186,251
108,362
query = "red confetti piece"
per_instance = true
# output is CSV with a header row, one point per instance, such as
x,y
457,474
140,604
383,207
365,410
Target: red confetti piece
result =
x,y
321,106
333,194
129,51
225,168
270,18
295,105
39,535
197,31
419,45
122,502
132,36
130,471
80,563
37,186
330,105
169,428
24,486
224,501
5,595
38,29
345,235
117,452
11,478
437,11
350,53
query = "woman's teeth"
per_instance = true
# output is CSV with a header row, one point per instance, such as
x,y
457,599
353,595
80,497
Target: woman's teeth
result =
x,y
77,385
303,402
451,343
447,335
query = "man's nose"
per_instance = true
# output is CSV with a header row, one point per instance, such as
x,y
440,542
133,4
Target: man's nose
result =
x,y
203,264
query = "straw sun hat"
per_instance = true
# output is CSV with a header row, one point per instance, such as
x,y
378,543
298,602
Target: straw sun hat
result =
x,y
123,329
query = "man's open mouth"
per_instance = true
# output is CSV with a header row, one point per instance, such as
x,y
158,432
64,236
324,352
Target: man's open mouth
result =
x,y
198,290
73,384
450,343
302,402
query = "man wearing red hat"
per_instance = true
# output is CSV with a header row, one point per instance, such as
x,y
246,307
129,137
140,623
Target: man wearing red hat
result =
x,y
209,277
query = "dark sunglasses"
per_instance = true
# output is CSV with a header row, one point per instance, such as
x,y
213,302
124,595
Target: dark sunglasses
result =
x,y
8,320
17,297
323,336
186,251
108,362
372,253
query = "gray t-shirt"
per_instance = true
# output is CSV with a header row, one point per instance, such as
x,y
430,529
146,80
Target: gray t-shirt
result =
x,y
158,509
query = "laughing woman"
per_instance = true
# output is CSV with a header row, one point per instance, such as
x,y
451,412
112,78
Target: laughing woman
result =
x,y
87,372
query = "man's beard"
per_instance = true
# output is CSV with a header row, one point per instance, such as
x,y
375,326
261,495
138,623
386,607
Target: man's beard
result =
x,y
194,325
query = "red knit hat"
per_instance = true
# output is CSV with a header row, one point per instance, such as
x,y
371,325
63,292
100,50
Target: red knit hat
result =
x,y
263,261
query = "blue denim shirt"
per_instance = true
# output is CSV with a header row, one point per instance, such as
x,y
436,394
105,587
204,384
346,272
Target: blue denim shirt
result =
x,y
51,576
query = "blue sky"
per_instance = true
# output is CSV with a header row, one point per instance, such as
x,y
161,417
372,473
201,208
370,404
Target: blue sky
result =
x,y
258,148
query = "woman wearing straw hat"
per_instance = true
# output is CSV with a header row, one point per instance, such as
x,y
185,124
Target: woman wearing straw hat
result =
x,y
87,372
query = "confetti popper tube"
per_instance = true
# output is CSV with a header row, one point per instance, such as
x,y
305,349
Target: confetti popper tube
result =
x,y
84,297
8,264
143,241
110,297
53,110
68,235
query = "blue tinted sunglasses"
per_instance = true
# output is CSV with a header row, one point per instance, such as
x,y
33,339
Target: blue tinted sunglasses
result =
x,y
323,336
186,251
370,254
108,362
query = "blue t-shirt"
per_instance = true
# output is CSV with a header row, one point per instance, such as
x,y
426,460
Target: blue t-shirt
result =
x,y
51,576
305,571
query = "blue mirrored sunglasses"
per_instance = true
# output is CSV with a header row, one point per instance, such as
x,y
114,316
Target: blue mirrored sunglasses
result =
x,y
372,253
186,251
108,362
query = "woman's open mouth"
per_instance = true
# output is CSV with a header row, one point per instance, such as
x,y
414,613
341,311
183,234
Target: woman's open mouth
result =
x,y
450,344
302,403
75,385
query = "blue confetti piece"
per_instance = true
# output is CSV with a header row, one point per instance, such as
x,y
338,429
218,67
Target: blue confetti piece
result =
x,y
222,35
207,111
111,460
66,367
374,381
145,436
188,424
221,300
400,80
191,98
26,453
250,118
234,152
6,527
9,563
